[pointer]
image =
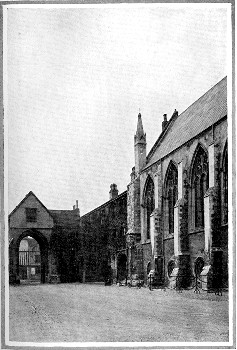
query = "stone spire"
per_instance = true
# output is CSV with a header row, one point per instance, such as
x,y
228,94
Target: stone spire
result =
x,y
139,146
140,136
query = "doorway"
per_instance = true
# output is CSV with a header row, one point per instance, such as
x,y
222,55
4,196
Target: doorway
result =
x,y
122,268
29,260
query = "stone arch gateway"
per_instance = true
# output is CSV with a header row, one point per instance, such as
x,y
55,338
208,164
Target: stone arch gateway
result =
x,y
14,254
32,219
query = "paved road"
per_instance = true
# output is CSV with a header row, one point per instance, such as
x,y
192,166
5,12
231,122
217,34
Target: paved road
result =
x,y
91,313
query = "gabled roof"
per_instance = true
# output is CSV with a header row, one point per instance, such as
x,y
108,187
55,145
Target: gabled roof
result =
x,y
206,111
60,217
65,217
28,195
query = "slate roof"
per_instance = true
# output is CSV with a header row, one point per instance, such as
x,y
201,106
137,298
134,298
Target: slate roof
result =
x,y
66,217
105,204
207,110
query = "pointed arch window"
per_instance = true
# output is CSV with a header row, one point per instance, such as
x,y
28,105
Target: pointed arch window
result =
x,y
171,194
149,203
225,187
200,184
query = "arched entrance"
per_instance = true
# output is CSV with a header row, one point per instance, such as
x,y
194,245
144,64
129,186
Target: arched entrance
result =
x,y
121,267
29,260
29,257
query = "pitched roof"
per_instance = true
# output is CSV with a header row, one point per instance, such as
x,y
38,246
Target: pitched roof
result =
x,y
124,193
60,217
29,194
65,217
202,114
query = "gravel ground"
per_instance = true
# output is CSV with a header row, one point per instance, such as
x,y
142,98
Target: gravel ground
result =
x,y
95,313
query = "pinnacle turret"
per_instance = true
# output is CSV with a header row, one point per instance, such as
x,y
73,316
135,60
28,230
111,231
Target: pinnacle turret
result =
x,y
139,146
140,136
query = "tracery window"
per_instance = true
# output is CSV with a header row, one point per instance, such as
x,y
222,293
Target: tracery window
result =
x,y
149,203
200,181
171,194
225,187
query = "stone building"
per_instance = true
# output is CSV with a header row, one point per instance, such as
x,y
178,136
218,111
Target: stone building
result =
x,y
178,195
173,217
53,236
103,230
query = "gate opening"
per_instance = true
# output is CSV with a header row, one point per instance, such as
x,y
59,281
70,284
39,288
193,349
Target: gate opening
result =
x,y
29,260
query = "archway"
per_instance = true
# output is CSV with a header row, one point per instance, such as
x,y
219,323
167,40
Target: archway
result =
x,y
122,267
29,260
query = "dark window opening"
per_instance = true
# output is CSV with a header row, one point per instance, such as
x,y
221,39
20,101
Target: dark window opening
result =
x,y
31,214
199,186
149,203
172,194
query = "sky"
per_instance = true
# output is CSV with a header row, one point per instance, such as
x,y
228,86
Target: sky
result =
x,y
77,79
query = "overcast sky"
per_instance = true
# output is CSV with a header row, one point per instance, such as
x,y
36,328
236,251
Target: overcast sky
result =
x,y
76,80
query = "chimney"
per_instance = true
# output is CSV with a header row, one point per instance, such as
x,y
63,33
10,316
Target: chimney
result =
x,y
113,191
75,206
165,122
175,114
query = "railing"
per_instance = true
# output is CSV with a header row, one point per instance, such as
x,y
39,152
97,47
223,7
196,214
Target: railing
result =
x,y
194,282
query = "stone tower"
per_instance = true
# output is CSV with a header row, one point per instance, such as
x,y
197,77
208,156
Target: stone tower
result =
x,y
139,146
133,238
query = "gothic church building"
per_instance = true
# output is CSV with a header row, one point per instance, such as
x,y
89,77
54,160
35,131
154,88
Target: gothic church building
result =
x,y
178,195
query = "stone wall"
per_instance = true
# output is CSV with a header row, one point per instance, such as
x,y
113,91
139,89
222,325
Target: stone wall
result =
x,y
104,238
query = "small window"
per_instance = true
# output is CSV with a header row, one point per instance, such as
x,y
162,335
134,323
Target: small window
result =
x,y
31,214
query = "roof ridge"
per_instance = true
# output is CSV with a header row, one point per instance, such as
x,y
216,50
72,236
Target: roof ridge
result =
x,y
26,196
175,119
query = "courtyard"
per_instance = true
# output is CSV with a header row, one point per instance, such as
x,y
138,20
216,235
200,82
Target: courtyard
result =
x,y
97,313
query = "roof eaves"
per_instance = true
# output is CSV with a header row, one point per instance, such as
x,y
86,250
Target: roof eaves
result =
x,y
28,194
105,204
174,150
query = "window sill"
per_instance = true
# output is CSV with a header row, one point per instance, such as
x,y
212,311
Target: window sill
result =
x,y
224,224
168,237
147,241
196,230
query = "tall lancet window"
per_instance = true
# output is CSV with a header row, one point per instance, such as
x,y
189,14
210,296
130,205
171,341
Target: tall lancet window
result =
x,y
225,187
171,194
149,204
200,182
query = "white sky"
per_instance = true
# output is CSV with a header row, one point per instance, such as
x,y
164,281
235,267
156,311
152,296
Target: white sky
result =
x,y
76,80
